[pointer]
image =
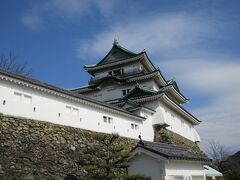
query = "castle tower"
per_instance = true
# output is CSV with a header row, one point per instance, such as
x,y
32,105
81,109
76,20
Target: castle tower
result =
x,y
131,81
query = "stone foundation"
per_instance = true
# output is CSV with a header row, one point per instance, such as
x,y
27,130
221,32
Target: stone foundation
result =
x,y
31,149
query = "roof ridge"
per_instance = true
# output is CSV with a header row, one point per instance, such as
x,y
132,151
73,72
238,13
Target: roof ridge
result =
x,y
118,47
123,59
125,49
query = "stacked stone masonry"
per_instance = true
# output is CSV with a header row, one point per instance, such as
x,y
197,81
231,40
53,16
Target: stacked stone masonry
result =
x,y
31,149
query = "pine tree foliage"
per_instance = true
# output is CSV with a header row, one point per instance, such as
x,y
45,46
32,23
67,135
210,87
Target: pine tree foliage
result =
x,y
106,159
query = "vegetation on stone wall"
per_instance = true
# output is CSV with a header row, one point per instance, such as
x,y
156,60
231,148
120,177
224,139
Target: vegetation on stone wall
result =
x,y
165,136
107,159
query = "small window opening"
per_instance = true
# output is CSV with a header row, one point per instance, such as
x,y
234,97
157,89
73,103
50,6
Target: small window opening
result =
x,y
109,120
105,119
125,91
134,127
117,72
4,102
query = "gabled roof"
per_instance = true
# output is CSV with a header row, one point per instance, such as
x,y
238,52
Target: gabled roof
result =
x,y
209,171
116,53
95,67
118,56
170,151
161,95
174,83
139,91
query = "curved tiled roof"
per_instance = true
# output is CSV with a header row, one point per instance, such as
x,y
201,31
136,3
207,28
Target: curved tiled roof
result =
x,y
141,95
127,79
171,151
116,53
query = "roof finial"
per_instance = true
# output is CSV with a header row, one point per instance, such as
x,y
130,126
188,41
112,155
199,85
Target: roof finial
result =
x,y
115,42
140,142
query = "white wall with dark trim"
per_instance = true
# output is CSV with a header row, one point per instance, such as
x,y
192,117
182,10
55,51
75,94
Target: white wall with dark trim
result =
x,y
40,105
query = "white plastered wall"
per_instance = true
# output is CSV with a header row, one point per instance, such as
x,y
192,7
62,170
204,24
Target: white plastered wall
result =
x,y
176,123
157,167
149,166
186,168
112,90
52,108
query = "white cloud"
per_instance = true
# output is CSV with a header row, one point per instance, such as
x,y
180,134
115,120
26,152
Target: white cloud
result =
x,y
215,75
219,79
155,34
50,11
171,34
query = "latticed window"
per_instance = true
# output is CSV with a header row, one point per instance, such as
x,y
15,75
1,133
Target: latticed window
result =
x,y
19,97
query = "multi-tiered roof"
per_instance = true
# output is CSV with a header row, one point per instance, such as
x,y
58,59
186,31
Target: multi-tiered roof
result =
x,y
117,57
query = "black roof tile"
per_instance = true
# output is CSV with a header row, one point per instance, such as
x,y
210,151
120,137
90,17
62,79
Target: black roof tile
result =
x,y
171,151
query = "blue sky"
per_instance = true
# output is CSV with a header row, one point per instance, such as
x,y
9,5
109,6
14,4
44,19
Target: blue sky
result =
x,y
195,42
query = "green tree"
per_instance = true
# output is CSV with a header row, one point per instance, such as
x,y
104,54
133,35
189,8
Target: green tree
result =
x,y
106,158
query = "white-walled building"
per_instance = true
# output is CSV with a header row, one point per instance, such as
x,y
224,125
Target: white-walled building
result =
x,y
127,95
160,161
26,97
131,81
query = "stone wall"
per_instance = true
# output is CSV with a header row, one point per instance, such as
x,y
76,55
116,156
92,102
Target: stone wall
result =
x,y
31,149
165,136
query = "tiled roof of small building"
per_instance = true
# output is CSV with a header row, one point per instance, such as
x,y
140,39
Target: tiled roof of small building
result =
x,y
171,151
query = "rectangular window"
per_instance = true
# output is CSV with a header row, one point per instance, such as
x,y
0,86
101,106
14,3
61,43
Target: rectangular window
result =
x,y
134,126
27,99
110,121
17,97
68,109
125,91
117,72
122,71
22,98
105,119
75,111
72,111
